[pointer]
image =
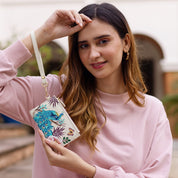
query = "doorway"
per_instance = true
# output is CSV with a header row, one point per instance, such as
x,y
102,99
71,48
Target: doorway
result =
x,y
149,56
147,69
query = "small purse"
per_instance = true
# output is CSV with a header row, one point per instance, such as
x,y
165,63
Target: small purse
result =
x,y
51,116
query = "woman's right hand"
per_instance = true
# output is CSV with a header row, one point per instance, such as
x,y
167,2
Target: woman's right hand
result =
x,y
61,23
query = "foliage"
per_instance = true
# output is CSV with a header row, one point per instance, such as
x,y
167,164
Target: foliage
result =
x,y
171,105
66,140
53,56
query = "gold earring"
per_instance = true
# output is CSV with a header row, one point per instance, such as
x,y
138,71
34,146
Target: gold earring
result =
x,y
127,58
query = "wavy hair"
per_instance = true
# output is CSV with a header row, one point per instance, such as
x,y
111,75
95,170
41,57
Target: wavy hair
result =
x,y
79,88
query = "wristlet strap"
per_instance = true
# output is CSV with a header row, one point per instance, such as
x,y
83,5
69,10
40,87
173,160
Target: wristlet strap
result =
x,y
39,62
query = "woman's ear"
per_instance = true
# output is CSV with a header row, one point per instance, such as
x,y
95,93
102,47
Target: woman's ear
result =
x,y
126,43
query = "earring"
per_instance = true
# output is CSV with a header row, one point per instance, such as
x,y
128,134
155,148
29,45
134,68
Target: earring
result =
x,y
127,58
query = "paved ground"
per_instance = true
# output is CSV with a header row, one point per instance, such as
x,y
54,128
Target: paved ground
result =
x,y
23,168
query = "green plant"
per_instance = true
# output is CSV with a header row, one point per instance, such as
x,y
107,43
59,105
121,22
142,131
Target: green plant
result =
x,y
53,56
171,106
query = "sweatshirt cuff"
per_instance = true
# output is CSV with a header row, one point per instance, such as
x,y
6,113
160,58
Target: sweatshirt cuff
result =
x,y
101,172
17,53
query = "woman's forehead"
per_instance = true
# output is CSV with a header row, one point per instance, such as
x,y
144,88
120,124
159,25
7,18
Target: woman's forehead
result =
x,y
94,29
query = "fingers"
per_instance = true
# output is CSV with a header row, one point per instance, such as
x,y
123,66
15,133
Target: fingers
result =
x,y
81,19
57,140
43,139
52,144
46,147
55,146
41,135
78,19
74,17
71,15
66,13
85,18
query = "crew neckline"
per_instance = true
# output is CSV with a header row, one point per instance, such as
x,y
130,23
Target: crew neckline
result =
x,y
119,98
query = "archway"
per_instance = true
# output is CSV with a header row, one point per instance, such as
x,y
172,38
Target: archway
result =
x,y
149,55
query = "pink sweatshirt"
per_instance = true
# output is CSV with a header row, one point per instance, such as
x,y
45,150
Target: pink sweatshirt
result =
x,y
136,142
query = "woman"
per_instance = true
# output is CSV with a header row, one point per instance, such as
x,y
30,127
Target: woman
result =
x,y
124,132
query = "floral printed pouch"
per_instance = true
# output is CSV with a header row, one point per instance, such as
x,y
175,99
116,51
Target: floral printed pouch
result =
x,y
51,116
54,121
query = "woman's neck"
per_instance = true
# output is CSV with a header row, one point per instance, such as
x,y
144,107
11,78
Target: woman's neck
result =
x,y
111,85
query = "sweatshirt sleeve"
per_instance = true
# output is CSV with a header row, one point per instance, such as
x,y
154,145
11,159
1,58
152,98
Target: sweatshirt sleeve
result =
x,y
10,59
15,92
18,95
158,161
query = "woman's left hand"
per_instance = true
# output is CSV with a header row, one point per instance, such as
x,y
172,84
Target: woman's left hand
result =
x,y
62,157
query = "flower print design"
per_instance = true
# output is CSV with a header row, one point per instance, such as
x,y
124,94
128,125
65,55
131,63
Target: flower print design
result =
x,y
66,140
58,132
71,132
53,101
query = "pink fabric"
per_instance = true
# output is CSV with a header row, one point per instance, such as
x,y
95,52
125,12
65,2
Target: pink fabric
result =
x,y
136,142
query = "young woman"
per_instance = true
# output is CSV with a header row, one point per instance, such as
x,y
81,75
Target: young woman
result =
x,y
124,132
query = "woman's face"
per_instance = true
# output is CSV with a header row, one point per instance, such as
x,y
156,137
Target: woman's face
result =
x,y
101,50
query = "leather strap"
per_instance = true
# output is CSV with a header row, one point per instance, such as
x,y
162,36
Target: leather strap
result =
x,y
39,62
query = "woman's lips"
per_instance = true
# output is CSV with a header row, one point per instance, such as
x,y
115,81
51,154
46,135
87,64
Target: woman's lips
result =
x,y
98,65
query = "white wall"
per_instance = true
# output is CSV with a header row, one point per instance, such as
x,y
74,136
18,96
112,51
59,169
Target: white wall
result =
x,y
22,16
157,19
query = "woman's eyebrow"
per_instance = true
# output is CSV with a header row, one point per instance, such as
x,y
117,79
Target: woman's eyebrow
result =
x,y
84,41
95,38
102,36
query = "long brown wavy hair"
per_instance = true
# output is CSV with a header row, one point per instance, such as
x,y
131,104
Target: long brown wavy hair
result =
x,y
79,88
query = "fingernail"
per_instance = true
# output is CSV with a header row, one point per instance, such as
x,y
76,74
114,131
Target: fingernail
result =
x,y
48,141
40,132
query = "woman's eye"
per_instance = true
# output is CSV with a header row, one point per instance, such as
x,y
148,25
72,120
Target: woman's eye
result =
x,y
83,46
103,41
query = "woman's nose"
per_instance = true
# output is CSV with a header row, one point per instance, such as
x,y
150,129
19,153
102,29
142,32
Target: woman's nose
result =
x,y
94,53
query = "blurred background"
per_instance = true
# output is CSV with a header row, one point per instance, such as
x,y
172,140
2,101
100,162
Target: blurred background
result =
x,y
154,24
